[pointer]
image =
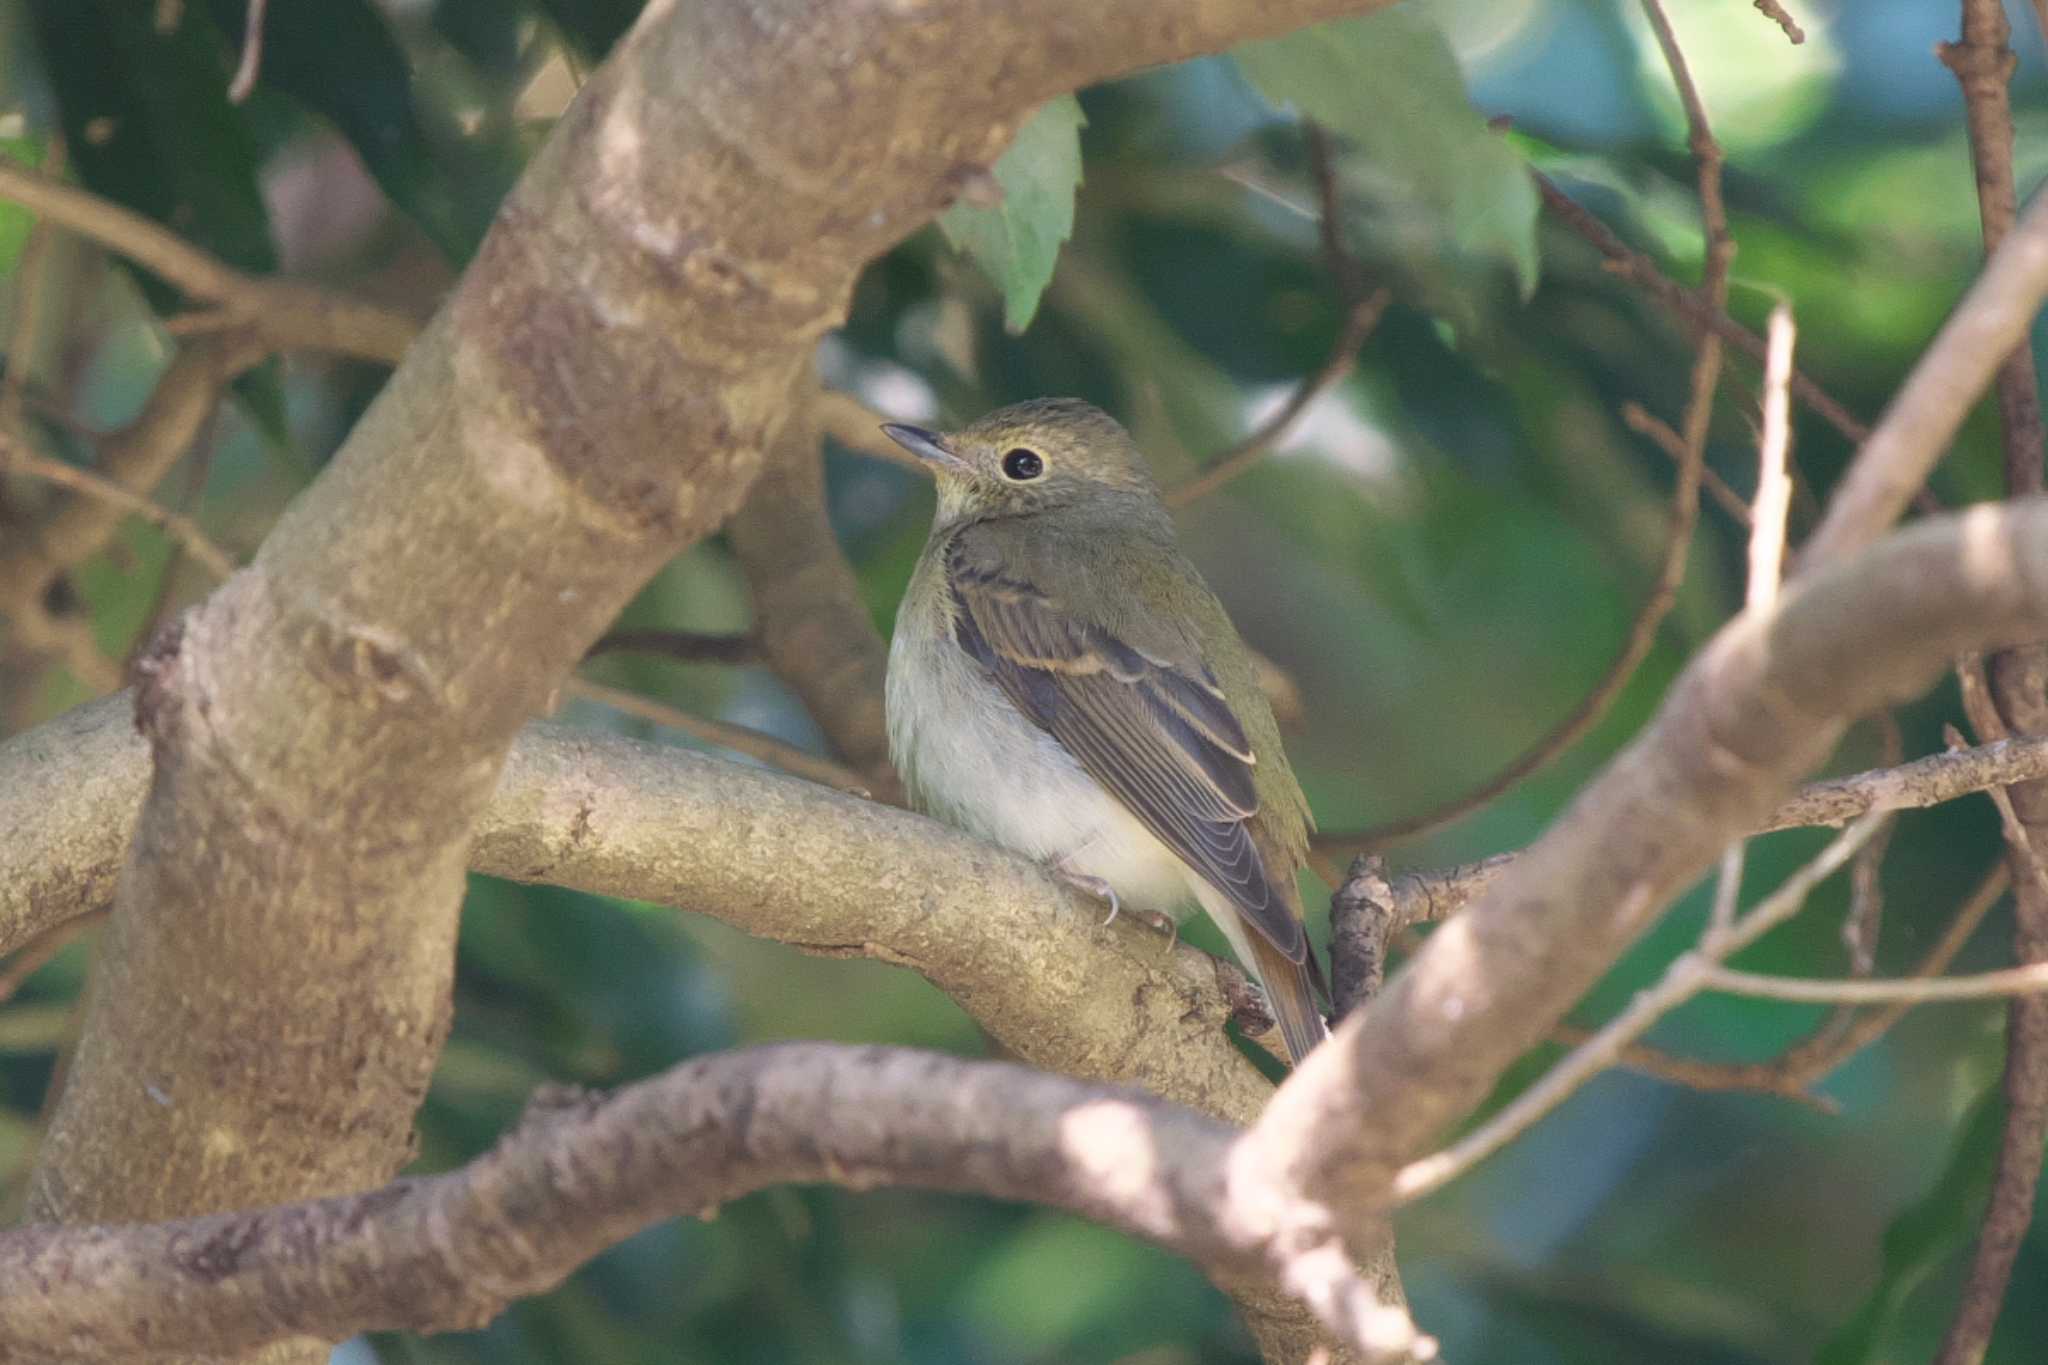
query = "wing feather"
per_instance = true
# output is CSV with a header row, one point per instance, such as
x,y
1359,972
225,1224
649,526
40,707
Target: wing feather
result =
x,y
1159,735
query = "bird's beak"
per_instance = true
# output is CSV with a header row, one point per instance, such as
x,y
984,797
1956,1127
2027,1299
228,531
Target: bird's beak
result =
x,y
928,446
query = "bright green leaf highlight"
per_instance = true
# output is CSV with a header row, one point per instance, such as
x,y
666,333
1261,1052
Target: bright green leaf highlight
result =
x,y
1018,240
15,221
1389,85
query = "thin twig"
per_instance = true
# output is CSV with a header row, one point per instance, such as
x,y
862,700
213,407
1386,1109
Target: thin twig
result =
x,y
1774,483
1706,375
1632,265
686,646
858,427
738,738
1907,991
1642,634
1727,886
1362,315
19,459
1793,1072
244,82
1775,12
30,276
1359,322
1683,979
286,313
38,952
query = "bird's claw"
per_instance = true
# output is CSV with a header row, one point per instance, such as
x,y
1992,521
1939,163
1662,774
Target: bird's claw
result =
x,y
1092,886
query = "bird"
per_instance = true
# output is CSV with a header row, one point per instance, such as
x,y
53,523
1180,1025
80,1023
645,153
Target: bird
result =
x,y
1063,683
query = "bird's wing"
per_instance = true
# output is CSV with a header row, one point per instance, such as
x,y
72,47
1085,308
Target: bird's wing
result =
x,y
1158,734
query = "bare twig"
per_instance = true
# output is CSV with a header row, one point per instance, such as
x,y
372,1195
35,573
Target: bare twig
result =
x,y
38,952
244,82
813,626
1363,311
30,276
135,459
1907,991
1359,322
738,738
287,313
1663,595
1774,481
1642,635
858,427
685,646
1685,977
1632,265
1793,1072
18,458
1727,886
1777,14
1427,897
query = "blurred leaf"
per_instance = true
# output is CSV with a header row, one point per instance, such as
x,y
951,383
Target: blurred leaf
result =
x,y
15,221
1017,241
1925,1235
593,25
491,33
350,69
147,122
1390,87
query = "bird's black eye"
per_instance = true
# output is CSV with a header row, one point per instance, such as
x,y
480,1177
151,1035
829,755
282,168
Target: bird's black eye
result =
x,y
1022,465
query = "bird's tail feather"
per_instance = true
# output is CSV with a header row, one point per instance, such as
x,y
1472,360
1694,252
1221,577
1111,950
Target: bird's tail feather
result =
x,y
1293,1002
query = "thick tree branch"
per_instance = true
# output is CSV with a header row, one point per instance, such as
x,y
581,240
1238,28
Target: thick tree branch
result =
x,y
585,1171
1765,701
598,392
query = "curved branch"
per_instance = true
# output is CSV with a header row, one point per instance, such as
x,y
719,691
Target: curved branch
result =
x,y
583,1172
1765,701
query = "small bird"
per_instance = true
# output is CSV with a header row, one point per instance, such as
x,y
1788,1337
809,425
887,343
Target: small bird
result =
x,y
1063,683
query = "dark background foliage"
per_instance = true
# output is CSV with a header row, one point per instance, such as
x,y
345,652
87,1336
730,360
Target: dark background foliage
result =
x,y
1444,555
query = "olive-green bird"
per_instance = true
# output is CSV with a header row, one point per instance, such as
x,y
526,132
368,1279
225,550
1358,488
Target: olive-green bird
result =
x,y
1063,683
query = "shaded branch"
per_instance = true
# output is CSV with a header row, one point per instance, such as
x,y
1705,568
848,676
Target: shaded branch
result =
x,y
812,624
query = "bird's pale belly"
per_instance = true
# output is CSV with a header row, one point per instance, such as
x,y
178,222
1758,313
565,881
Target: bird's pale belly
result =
x,y
972,759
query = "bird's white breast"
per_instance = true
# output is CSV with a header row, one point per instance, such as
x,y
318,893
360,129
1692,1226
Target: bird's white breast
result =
x,y
970,758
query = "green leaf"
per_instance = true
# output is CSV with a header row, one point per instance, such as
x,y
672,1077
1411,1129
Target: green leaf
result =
x,y
349,69
1018,240
15,221
1417,157
147,122
1925,1235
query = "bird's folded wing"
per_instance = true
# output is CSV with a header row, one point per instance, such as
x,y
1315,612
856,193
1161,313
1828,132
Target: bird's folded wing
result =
x,y
1159,735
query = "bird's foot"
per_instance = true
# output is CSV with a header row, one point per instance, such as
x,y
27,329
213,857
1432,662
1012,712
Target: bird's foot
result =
x,y
1091,885
1164,923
